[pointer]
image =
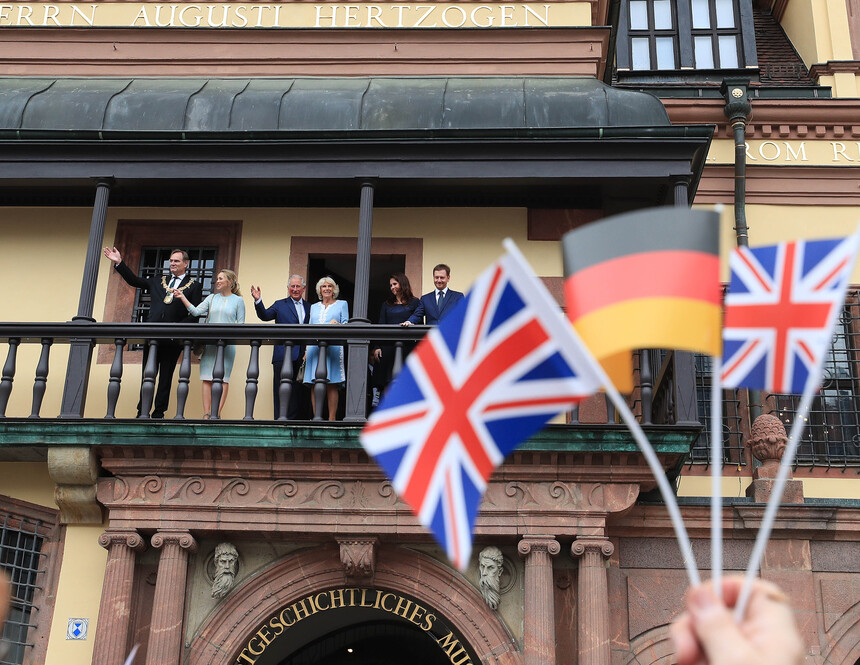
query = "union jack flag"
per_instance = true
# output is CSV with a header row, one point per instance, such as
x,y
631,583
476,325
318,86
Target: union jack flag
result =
x,y
781,306
500,365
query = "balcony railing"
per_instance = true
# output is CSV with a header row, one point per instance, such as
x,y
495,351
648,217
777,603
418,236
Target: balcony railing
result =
x,y
667,392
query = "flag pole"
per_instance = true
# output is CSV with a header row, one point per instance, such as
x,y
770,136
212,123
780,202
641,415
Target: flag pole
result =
x,y
716,476
632,424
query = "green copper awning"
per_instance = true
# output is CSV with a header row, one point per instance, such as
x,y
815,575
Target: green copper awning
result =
x,y
265,105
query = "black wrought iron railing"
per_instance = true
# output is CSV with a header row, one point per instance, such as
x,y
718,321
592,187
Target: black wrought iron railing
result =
x,y
669,398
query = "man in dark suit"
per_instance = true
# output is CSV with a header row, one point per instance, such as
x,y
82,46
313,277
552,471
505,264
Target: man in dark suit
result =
x,y
434,306
293,310
163,308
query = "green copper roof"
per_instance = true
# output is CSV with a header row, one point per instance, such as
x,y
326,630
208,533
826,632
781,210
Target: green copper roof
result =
x,y
320,104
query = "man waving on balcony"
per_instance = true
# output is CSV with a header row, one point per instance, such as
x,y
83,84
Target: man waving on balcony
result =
x,y
164,308
292,311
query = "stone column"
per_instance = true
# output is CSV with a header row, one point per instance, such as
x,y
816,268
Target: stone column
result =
x,y
592,599
115,610
165,632
538,604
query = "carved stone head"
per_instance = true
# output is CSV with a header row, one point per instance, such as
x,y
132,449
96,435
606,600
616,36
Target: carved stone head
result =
x,y
490,562
226,562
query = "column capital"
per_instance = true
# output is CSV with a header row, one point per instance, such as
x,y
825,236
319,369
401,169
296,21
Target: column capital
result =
x,y
538,543
601,545
130,538
182,538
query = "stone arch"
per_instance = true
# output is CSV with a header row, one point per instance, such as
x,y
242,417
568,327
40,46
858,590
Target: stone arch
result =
x,y
653,647
226,630
844,642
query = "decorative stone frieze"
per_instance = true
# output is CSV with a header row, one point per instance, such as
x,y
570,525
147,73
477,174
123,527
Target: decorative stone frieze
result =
x,y
358,556
538,605
593,600
75,470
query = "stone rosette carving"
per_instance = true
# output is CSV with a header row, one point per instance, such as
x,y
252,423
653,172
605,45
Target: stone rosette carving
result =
x,y
767,439
358,556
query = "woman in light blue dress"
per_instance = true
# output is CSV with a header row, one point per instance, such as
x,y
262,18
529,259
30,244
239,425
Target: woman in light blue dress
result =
x,y
328,310
225,305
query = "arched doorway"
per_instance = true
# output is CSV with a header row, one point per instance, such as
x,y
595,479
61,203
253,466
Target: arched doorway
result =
x,y
304,609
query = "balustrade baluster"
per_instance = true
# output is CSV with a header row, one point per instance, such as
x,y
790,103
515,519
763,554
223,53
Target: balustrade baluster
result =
x,y
8,374
41,381
646,384
115,378
320,381
251,382
285,387
217,382
398,358
184,380
147,391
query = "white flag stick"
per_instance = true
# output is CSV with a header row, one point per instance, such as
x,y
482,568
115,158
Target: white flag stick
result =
x,y
571,338
716,476
776,495
130,659
659,474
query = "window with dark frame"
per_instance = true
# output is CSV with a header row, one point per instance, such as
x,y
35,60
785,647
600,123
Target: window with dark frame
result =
x,y
732,401
21,557
155,261
832,434
675,35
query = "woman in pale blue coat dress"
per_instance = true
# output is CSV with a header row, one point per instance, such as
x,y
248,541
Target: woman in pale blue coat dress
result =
x,y
328,310
225,305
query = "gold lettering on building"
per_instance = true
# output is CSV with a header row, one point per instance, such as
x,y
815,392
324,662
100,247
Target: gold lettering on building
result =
x,y
294,15
770,152
372,599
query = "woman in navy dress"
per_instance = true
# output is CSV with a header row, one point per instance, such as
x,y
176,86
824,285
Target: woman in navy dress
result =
x,y
328,310
397,309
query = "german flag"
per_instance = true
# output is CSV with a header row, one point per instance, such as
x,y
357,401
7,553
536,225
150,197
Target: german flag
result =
x,y
647,279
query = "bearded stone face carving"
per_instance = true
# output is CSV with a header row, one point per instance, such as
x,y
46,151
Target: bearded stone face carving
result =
x,y
490,568
226,562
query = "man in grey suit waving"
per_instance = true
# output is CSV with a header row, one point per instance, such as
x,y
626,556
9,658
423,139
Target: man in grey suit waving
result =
x,y
434,306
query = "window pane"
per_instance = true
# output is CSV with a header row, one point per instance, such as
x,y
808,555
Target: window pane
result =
x,y
725,14
665,53
701,14
639,52
728,51
638,15
704,53
662,15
